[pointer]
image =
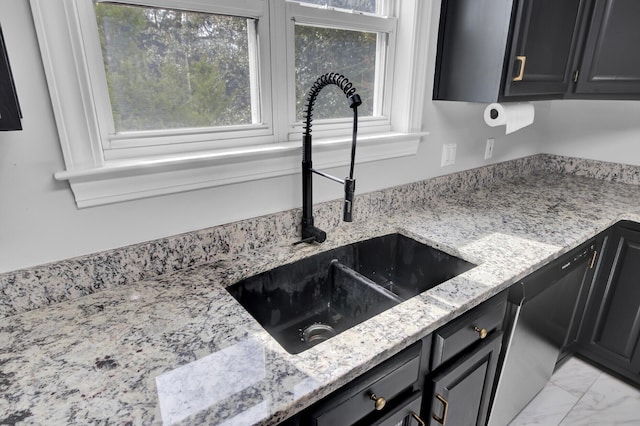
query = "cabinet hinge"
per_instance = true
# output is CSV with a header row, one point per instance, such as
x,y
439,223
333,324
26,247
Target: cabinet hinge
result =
x,y
576,74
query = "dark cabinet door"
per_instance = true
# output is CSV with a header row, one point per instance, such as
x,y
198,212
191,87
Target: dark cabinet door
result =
x,y
611,330
9,108
611,62
545,38
462,391
594,254
472,42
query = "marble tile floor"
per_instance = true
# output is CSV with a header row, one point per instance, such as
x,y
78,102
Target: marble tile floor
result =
x,y
579,394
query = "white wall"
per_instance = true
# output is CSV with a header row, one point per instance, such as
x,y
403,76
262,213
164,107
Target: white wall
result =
x,y
598,130
40,223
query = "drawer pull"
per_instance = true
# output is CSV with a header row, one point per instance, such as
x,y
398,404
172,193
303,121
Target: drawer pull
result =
x,y
482,332
380,402
445,408
418,419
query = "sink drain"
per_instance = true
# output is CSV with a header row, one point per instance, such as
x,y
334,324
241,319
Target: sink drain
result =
x,y
316,333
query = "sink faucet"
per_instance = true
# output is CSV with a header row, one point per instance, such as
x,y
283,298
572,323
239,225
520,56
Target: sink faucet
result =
x,y
310,233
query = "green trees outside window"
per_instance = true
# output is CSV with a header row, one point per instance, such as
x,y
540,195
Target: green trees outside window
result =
x,y
171,69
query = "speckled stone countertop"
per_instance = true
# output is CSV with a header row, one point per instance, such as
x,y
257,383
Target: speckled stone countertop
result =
x,y
178,349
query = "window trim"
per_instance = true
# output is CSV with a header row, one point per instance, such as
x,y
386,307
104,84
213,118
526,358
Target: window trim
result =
x,y
128,180
96,179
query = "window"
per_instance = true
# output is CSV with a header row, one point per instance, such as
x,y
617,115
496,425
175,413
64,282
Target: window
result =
x,y
159,96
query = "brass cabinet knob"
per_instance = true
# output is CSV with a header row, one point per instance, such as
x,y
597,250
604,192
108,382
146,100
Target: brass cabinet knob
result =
x,y
380,402
482,332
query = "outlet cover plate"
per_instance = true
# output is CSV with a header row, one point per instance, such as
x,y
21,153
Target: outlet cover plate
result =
x,y
448,155
488,151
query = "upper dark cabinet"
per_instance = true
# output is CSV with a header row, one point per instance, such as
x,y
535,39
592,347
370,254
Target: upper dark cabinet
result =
x,y
514,50
610,66
472,46
9,108
545,38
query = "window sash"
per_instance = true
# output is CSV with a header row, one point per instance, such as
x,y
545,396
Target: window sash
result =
x,y
384,26
136,144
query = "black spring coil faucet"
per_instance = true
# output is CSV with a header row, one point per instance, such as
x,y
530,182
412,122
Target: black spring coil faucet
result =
x,y
310,233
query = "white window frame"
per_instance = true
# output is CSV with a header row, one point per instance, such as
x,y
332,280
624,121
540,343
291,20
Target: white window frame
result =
x,y
123,169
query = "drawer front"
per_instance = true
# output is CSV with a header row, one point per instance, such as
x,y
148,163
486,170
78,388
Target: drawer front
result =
x,y
467,330
386,381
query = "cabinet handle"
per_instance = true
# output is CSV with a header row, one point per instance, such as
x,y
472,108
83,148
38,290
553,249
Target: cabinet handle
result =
x,y
380,402
523,61
445,408
482,332
418,419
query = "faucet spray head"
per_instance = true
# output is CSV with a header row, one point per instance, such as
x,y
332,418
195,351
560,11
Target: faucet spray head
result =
x,y
349,191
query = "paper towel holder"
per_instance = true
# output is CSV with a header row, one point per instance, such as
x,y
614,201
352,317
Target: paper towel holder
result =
x,y
514,116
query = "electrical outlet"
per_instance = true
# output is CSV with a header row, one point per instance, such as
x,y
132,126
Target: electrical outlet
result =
x,y
448,155
488,151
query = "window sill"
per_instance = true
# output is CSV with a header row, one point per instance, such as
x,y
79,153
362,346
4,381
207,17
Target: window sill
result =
x,y
131,180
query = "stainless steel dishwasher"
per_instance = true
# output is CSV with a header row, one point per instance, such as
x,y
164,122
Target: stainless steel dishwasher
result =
x,y
543,314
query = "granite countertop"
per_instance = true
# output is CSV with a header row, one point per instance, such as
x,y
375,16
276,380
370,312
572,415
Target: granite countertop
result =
x,y
179,349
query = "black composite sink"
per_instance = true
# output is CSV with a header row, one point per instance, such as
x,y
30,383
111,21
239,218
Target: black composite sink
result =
x,y
403,265
308,301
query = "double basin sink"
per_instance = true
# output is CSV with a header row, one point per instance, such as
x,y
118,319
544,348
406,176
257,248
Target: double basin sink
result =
x,y
309,301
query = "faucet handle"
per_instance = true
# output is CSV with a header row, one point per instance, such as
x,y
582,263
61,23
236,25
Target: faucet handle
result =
x,y
310,233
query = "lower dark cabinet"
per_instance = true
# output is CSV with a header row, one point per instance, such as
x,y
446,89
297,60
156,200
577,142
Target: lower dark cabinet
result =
x,y
388,394
461,391
412,389
464,362
610,333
